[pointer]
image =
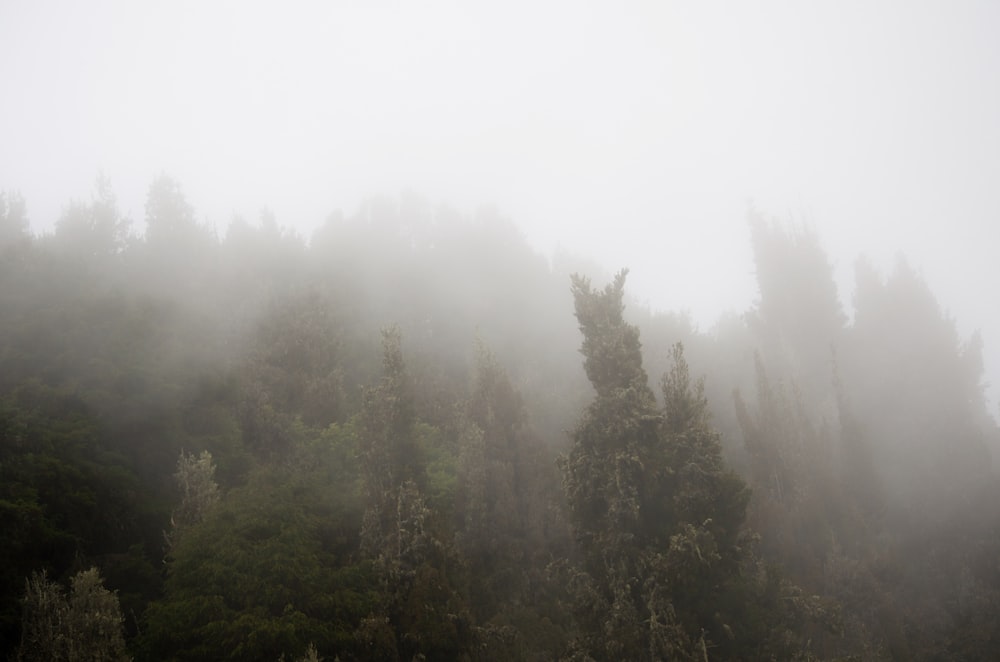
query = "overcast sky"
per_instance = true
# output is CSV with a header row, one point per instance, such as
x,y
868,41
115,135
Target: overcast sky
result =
x,y
638,133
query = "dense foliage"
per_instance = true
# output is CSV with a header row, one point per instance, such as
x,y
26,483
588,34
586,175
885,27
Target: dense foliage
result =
x,y
255,448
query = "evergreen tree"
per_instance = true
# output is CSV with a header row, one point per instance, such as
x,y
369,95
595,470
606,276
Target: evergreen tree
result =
x,y
179,251
798,319
195,478
421,614
85,627
170,219
917,389
13,220
271,568
94,232
506,523
656,514
389,456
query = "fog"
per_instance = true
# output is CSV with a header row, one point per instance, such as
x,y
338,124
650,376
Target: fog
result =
x,y
315,174
639,134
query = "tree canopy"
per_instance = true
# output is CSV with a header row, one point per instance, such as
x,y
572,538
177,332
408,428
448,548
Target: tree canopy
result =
x,y
257,446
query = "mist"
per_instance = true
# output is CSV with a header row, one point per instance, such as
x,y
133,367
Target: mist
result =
x,y
280,280
657,123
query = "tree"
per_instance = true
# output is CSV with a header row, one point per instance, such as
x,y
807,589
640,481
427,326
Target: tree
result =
x,y
424,614
773,436
656,514
94,231
272,568
294,363
66,497
798,319
195,478
504,490
178,248
86,626
917,389
170,221
389,452
13,220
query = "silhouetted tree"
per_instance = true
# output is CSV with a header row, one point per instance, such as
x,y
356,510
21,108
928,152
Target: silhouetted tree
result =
x,y
13,220
798,320
96,231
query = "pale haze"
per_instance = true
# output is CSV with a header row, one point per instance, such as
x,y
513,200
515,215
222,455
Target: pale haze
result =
x,y
640,134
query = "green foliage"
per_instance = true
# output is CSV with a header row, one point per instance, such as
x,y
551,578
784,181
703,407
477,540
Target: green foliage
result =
x,y
199,493
499,492
668,572
654,510
389,452
440,458
293,366
272,568
423,611
423,516
86,626
64,496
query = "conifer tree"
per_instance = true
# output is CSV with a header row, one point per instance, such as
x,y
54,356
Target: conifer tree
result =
x,y
13,220
497,487
95,232
86,626
420,615
656,514
195,479
388,454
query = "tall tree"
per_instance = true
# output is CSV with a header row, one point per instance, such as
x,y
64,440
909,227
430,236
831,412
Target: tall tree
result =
x,y
917,389
178,248
502,480
294,361
170,220
195,478
656,514
421,615
389,452
798,320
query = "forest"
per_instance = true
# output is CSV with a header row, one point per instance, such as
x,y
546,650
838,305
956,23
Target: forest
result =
x,y
412,437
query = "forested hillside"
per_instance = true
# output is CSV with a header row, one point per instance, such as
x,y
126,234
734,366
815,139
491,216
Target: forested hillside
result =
x,y
410,436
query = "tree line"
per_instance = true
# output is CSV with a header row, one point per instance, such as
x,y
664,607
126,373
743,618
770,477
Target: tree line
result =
x,y
412,437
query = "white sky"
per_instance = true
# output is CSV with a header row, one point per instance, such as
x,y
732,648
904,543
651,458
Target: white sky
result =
x,y
635,132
